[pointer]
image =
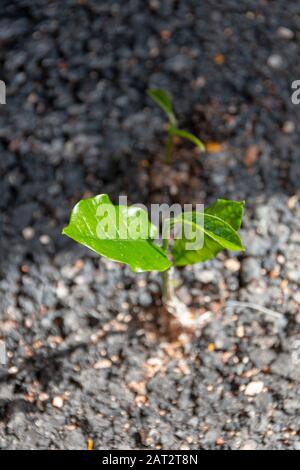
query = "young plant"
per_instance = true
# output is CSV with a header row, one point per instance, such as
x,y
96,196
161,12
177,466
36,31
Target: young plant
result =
x,y
164,101
125,234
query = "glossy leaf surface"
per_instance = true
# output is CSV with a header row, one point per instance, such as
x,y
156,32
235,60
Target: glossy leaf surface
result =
x,y
120,233
219,227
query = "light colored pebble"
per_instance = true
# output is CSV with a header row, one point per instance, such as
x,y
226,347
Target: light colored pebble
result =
x,y
249,445
240,331
232,265
28,233
102,364
254,388
275,61
288,127
206,276
45,239
61,290
58,402
285,33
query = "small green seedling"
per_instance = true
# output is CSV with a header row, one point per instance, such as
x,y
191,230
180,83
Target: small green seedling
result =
x,y
163,99
126,235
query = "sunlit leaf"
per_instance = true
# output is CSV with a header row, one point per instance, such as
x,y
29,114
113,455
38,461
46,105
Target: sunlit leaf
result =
x,y
219,230
230,211
120,233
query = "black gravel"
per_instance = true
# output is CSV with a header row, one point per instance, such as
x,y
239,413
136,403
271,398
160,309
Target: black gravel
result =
x,y
88,354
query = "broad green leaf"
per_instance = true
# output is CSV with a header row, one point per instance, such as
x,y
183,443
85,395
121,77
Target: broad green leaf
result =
x,y
120,233
187,135
231,211
218,234
163,99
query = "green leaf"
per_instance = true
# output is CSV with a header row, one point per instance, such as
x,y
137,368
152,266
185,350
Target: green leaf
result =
x,y
218,233
163,99
120,233
189,136
231,211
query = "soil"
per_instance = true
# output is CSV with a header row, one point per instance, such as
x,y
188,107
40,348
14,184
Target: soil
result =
x,y
91,354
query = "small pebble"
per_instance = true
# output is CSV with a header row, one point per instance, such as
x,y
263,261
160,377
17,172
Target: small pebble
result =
x,y
61,290
240,331
275,61
58,402
219,59
254,388
43,396
292,202
206,276
28,233
288,127
45,239
249,445
285,33
103,364
233,265
220,442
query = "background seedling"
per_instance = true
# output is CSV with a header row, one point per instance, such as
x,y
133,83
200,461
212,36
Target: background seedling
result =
x,y
110,233
163,99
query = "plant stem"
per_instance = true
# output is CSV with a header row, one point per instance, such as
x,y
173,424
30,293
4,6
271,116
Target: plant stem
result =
x,y
166,286
169,148
166,281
